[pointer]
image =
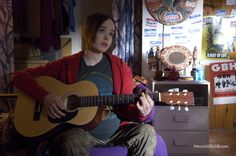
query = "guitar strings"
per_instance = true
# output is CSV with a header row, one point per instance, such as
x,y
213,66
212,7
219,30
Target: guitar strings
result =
x,y
161,112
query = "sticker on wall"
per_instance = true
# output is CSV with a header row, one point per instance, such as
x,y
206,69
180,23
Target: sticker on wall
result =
x,y
150,32
155,43
150,22
170,12
193,19
177,30
220,12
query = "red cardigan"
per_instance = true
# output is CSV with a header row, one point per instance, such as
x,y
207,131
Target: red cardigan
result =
x,y
66,70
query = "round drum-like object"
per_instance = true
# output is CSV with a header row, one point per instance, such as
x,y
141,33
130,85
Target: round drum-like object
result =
x,y
176,56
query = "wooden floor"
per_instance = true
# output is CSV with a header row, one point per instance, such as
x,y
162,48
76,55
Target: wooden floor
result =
x,y
222,142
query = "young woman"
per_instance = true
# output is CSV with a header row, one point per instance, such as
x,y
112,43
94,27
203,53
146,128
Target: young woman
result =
x,y
124,125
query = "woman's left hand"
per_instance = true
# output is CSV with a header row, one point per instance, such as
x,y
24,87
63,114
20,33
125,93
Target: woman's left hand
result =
x,y
145,104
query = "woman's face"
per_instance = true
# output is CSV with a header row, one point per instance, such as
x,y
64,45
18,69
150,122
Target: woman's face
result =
x,y
104,37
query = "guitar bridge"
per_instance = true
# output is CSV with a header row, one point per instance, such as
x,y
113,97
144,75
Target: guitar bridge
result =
x,y
37,111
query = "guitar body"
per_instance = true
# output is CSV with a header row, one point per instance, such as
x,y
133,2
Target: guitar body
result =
x,y
84,107
24,115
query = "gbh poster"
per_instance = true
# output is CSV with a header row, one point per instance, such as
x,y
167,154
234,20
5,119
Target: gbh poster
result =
x,y
223,78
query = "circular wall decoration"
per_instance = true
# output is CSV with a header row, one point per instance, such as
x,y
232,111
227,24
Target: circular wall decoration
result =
x,y
170,12
176,56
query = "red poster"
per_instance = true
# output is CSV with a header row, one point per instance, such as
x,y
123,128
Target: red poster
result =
x,y
223,82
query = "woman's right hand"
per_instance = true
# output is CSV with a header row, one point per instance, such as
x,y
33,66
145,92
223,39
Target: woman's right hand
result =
x,y
54,106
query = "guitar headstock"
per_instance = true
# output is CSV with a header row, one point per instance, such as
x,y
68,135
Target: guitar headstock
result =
x,y
183,98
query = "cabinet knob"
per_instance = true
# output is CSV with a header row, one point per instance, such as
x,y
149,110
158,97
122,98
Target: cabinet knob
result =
x,y
181,118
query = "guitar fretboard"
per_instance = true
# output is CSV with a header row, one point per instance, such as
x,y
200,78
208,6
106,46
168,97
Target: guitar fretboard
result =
x,y
73,101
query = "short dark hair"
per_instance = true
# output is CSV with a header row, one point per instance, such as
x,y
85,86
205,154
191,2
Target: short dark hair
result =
x,y
90,27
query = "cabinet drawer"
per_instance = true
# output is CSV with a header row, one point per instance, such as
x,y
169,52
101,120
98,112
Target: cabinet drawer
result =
x,y
195,119
185,143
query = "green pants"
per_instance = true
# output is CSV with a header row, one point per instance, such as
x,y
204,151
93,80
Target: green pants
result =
x,y
139,139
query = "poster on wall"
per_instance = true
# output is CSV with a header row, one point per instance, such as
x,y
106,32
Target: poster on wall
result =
x,y
223,82
219,37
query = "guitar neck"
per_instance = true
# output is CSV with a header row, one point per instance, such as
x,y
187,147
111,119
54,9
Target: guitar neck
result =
x,y
180,98
74,101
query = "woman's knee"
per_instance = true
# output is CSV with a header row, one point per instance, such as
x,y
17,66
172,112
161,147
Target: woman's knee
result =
x,y
72,136
148,132
75,141
147,129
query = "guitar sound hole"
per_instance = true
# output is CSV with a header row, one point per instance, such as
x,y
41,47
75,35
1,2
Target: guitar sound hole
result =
x,y
68,116
71,102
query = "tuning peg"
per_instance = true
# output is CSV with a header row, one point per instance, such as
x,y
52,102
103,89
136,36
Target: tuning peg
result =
x,y
173,90
170,91
179,108
186,108
172,107
176,89
185,91
178,102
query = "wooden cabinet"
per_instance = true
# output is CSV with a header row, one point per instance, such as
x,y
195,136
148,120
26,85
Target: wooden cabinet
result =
x,y
185,132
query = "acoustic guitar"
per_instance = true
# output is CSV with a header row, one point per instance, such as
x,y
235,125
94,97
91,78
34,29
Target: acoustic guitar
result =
x,y
83,106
